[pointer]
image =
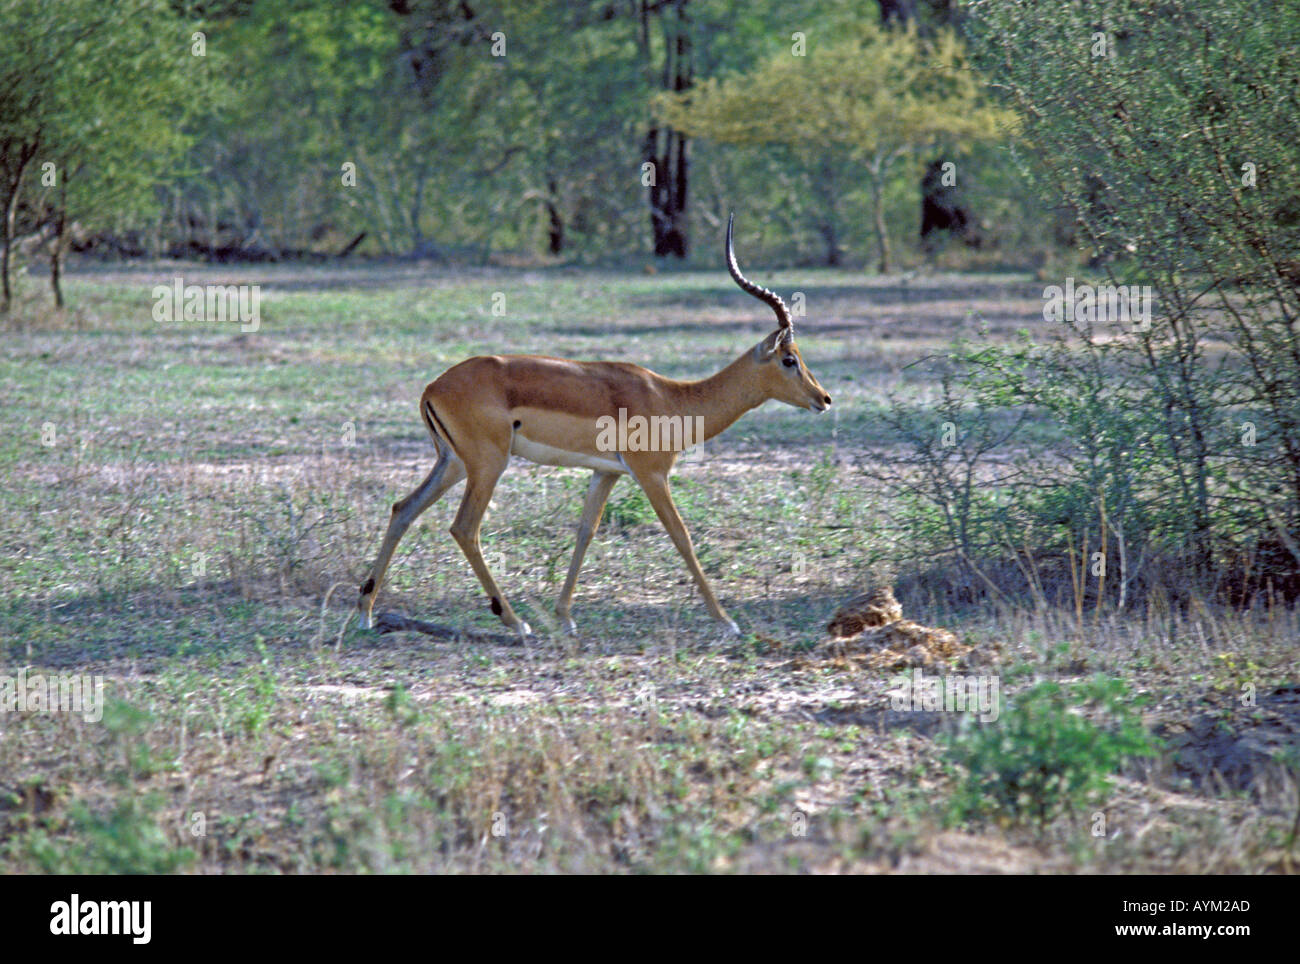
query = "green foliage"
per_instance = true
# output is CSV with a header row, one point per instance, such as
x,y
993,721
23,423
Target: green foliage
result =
x,y
631,508
127,724
94,111
455,130
1045,754
125,840
1050,454
1203,404
251,701
876,93
471,124
949,502
1132,451
854,105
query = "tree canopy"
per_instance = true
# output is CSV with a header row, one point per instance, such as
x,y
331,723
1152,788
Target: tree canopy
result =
x,y
874,96
568,130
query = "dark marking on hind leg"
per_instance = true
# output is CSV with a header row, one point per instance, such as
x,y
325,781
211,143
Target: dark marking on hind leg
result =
x,y
368,588
496,606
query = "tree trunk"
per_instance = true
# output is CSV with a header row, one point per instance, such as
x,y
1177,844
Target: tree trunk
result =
x,y
11,202
935,197
56,255
896,12
828,191
554,222
943,208
55,271
878,218
420,248
668,220
831,237
25,155
664,148
352,245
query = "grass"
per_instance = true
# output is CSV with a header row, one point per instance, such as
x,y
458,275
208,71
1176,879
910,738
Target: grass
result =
x,y
210,499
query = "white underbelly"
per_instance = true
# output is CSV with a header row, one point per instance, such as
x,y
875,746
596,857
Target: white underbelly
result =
x,y
550,455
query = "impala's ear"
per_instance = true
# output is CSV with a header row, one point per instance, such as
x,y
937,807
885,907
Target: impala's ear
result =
x,y
770,344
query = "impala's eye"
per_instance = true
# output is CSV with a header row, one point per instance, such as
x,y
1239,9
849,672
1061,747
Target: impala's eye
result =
x,y
790,361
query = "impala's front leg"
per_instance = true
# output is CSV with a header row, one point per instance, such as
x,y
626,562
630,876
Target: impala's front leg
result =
x,y
482,479
655,485
592,509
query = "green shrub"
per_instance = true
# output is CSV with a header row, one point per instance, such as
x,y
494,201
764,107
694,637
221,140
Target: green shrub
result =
x,y
127,840
1045,755
1166,133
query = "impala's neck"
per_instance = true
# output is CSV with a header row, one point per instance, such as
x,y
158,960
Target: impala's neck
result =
x,y
724,397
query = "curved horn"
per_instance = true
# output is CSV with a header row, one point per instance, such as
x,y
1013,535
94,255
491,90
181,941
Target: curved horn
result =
x,y
758,291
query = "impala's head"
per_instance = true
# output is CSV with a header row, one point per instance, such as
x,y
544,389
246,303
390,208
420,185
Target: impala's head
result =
x,y
780,367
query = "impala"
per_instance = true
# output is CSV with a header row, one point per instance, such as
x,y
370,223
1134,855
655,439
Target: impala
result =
x,y
559,412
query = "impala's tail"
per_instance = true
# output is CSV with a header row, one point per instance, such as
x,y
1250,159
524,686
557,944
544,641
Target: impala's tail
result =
x,y
438,431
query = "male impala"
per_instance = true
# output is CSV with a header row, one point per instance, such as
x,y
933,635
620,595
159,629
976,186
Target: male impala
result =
x,y
558,412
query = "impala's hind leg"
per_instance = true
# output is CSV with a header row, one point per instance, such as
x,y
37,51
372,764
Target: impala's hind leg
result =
x,y
445,473
592,509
